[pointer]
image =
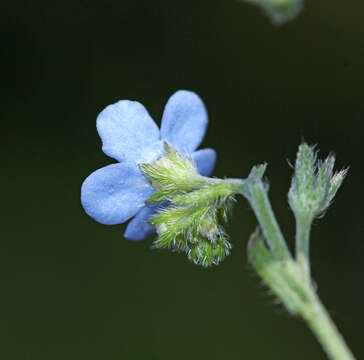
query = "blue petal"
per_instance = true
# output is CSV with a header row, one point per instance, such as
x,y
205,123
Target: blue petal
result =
x,y
128,132
114,193
205,160
138,229
184,121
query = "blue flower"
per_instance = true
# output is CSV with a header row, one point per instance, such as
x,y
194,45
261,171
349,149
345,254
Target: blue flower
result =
x,y
117,192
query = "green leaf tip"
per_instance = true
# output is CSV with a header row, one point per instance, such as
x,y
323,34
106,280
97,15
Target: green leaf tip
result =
x,y
280,11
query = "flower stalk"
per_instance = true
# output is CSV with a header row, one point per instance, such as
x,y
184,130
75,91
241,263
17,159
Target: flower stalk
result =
x,y
303,227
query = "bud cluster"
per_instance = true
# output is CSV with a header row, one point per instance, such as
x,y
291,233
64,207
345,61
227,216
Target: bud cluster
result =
x,y
193,211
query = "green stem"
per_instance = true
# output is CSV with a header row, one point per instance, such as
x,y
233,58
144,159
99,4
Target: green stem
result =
x,y
258,198
303,227
325,330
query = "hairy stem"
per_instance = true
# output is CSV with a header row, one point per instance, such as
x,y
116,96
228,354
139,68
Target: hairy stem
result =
x,y
325,330
303,227
258,199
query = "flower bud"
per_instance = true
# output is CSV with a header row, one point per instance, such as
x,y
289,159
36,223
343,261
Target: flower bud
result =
x,y
314,184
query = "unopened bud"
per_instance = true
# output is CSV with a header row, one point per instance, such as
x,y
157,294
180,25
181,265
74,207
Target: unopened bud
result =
x,y
314,184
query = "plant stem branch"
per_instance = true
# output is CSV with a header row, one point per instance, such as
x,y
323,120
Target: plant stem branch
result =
x,y
289,279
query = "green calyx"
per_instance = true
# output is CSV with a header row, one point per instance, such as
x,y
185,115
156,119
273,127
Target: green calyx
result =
x,y
194,208
171,174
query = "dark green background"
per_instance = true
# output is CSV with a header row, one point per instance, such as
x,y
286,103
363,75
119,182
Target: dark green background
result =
x,y
74,289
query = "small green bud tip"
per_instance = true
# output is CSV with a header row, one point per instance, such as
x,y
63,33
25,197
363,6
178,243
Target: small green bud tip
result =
x,y
191,222
257,250
314,183
209,229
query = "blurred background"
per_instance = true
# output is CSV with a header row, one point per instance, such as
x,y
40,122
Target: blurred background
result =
x,y
74,289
